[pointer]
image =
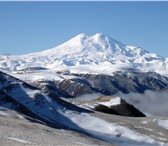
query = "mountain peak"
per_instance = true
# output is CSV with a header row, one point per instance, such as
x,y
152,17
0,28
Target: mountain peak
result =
x,y
99,35
96,38
77,40
82,35
96,34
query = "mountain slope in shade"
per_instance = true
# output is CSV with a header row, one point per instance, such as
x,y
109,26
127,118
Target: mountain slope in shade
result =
x,y
82,50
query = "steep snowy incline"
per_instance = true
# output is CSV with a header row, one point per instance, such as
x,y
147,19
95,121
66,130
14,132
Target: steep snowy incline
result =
x,y
82,50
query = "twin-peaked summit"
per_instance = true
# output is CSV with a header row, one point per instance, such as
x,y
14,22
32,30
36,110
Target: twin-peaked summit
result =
x,y
83,49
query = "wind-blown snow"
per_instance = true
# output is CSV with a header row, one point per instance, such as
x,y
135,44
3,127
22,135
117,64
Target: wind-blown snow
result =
x,y
109,131
84,50
19,140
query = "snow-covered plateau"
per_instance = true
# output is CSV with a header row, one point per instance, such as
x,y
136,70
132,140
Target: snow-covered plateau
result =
x,y
91,90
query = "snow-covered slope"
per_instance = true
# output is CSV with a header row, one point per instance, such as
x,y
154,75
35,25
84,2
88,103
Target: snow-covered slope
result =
x,y
49,108
83,50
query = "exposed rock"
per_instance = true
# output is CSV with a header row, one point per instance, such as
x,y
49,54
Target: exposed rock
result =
x,y
123,109
126,82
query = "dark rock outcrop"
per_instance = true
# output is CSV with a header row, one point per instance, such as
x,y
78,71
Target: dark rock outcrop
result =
x,y
123,109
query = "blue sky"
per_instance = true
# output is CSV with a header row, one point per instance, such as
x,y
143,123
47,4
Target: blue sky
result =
x,y
27,27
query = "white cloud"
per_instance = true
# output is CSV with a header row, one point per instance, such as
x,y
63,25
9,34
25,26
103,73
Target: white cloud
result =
x,y
89,97
151,102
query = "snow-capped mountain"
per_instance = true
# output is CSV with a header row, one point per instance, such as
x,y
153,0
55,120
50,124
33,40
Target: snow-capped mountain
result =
x,y
59,88
83,50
